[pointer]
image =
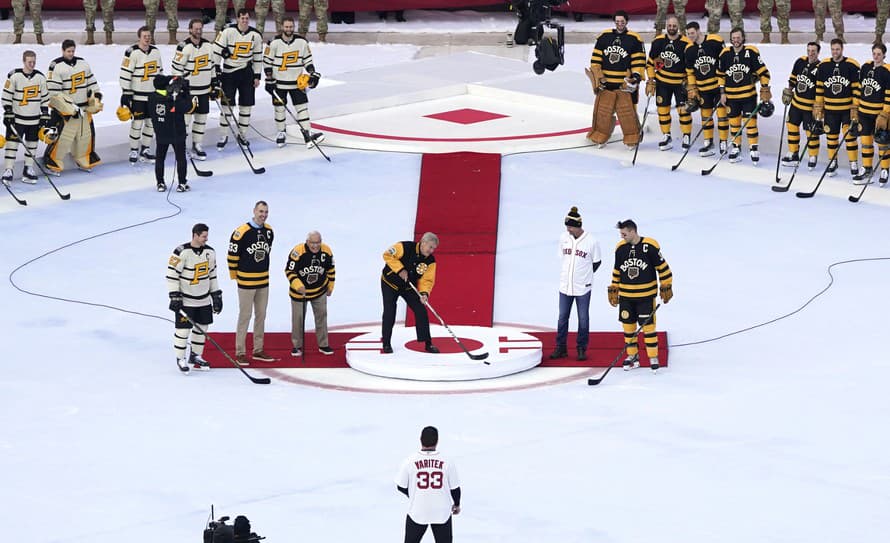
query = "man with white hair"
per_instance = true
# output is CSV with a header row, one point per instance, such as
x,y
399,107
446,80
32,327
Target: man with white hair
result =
x,y
310,273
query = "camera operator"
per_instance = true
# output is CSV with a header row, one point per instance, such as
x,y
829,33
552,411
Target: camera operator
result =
x,y
169,105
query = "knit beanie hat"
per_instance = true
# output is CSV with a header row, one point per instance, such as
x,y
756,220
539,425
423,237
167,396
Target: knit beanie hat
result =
x,y
573,218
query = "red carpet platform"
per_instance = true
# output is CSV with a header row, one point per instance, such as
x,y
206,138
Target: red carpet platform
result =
x,y
601,350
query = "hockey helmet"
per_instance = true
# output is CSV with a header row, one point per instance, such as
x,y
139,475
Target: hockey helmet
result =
x,y
302,81
882,137
123,114
2,141
767,109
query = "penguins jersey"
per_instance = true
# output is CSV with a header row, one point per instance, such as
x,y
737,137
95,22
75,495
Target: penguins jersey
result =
x,y
667,59
284,61
234,50
619,54
248,256
193,273
803,81
701,63
73,77
138,71
837,84
639,268
313,271
874,88
26,94
738,71
193,62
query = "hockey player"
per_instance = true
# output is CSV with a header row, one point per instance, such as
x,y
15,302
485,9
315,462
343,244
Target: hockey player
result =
x,y
287,62
238,56
837,105
639,268
192,61
168,106
738,71
702,84
874,110
74,99
25,112
666,71
194,290
615,73
799,96
310,272
142,62
409,262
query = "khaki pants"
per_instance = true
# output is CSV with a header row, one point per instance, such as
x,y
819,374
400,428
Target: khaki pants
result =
x,y
251,301
298,318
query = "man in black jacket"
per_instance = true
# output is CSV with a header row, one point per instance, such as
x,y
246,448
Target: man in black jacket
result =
x,y
168,106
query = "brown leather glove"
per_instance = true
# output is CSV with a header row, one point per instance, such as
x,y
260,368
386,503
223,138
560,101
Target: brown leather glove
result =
x,y
881,123
692,93
854,114
765,94
613,295
595,74
819,110
787,95
650,87
667,292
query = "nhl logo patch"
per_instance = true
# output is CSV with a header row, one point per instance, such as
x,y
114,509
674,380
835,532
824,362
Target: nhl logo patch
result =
x,y
705,69
159,109
737,77
867,91
259,255
614,58
836,88
633,272
801,87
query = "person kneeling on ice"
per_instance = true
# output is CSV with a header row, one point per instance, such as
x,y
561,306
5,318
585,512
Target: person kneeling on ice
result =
x,y
168,106
194,291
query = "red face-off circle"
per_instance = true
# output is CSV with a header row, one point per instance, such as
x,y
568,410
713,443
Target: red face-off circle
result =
x,y
445,345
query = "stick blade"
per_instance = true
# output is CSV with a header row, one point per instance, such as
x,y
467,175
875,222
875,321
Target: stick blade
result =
x,y
594,381
804,194
261,380
707,172
259,171
786,188
480,356
853,199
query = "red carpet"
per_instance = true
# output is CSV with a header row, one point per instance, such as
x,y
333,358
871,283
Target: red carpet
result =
x,y
601,350
459,199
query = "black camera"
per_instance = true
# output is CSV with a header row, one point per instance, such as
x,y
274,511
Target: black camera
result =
x,y
176,85
534,20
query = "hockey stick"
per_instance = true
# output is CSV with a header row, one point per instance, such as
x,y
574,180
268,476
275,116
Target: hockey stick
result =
x,y
781,141
39,167
642,129
796,166
18,200
256,380
198,171
303,335
277,101
481,356
230,118
695,139
732,139
832,160
597,380
231,115
868,181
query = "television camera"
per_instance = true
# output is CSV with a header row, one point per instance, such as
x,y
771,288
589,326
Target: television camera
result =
x,y
534,20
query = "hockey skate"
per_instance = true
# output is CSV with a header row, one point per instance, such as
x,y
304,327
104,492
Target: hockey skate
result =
x,y
686,141
864,176
707,149
632,361
198,151
162,187
854,169
811,162
666,143
312,139
29,176
134,156
242,140
653,364
832,168
146,155
735,153
791,159
7,176
221,143
199,363
281,139
723,145
755,155
884,175
183,187
183,365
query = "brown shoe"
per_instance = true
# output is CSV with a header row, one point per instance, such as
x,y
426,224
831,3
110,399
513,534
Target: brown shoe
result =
x,y
263,356
242,360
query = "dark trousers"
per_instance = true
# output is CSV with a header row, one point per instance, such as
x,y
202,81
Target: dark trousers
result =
x,y
390,298
414,532
562,325
181,165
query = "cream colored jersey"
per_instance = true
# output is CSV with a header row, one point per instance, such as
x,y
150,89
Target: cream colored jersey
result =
x,y
194,62
284,61
193,273
26,94
73,77
429,478
234,50
138,71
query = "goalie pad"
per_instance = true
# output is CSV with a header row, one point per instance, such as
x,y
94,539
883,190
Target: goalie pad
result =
x,y
603,116
75,137
63,104
627,118
94,105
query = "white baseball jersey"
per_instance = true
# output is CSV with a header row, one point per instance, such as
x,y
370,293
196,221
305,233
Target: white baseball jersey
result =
x,y
578,257
429,478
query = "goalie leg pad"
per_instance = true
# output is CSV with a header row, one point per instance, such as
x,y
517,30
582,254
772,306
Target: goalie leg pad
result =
x,y
84,149
603,117
627,118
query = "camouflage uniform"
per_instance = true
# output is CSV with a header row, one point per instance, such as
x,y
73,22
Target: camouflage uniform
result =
x,y
837,17
221,7
18,14
262,9
783,9
321,13
151,14
89,8
715,11
661,14
881,20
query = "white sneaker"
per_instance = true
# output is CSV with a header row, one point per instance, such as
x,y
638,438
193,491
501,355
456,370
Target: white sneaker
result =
x,y
134,156
281,139
7,176
296,352
666,143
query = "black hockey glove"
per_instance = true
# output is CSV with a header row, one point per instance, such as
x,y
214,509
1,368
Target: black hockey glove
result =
x,y
127,101
8,116
44,118
216,300
314,78
175,302
270,88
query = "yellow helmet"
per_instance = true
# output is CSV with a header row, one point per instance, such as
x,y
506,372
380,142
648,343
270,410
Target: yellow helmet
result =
x,y
302,81
123,114
2,141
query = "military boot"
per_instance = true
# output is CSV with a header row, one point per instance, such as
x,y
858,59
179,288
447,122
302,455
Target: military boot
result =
x,y
108,40
91,38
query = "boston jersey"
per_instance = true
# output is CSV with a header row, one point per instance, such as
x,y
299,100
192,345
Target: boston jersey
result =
x,y
194,63
138,71
667,59
738,71
639,268
874,88
73,77
429,478
619,54
406,255
284,61
192,272
701,63
248,256
26,94
803,81
312,271
837,84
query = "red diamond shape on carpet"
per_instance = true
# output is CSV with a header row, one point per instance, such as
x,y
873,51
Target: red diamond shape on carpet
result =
x,y
466,116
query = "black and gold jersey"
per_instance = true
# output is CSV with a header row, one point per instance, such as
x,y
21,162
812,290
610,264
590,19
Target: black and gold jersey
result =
x,y
701,62
639,268
837,84
803,82
405,255
739,71
312,271
248,255
619,54
874,88
667,59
